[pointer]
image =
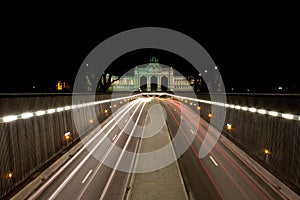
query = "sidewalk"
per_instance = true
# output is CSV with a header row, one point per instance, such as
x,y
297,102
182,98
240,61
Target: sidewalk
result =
x,y
165,183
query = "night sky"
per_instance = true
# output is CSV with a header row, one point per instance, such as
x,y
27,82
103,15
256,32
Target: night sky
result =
x,y
256,49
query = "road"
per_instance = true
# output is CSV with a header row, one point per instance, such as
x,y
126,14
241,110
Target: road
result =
x,y
84,177
219,175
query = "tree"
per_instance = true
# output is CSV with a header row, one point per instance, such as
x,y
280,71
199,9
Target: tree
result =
x,y
106,81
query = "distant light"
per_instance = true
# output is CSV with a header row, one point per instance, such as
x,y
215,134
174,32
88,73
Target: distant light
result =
x,y
9,175
226,105
59,109
280,88
205,71
87,64
41,112
209,115
231,106
244,108
91,121
200,74
232,89
68,133
191,103
74,106
216,67
287,116
262,111
252,109
10,118
67,107
198,108
237,107
105,111
273,113
26,115
266,151
33,87
229,127
248,90
50,111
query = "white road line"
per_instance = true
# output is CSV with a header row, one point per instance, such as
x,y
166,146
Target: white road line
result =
x,y
121,155
63,184
181,117
192,131
213,160
126,120
114,137
86,177
105,156
42,188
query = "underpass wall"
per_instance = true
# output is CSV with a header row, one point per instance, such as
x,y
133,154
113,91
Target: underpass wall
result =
x,y
26,145
254,133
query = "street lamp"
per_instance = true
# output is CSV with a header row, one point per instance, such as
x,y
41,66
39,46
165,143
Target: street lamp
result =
x,y
267,152
229,127
67,137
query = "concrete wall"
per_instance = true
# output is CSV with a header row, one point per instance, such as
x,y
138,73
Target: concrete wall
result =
x,y
254,132
28,144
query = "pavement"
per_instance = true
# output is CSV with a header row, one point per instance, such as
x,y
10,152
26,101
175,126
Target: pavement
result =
x,y
164,183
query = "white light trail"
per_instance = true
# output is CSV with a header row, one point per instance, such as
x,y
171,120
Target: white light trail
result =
x,y
59,109
273,113
10,118
262,111
287,116
40,113
50,111
26,115
252,110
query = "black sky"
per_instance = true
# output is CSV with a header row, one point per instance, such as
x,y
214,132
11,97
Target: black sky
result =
x,y
252,49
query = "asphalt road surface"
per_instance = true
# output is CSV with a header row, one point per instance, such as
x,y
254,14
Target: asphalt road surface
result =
x,y
84,176
219,175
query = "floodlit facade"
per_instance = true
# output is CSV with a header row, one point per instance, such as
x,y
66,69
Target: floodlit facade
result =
x,y
153,77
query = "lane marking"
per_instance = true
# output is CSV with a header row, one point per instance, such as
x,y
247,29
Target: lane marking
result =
x,y
213,160
108,182
114,137
192,131
106,155
181,117
126,120
86,177
63,184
